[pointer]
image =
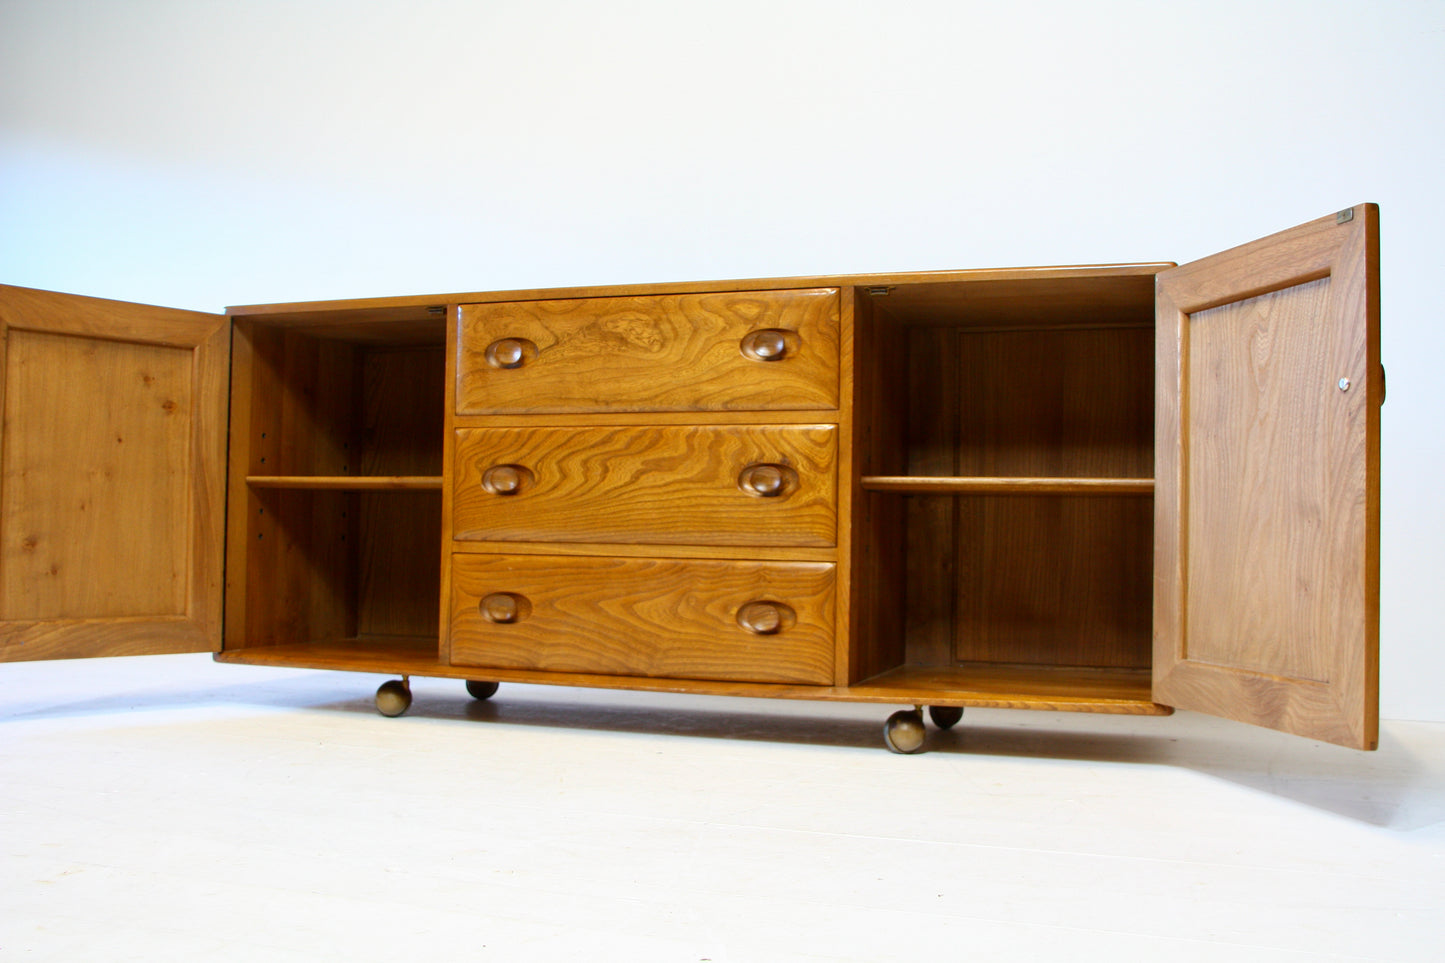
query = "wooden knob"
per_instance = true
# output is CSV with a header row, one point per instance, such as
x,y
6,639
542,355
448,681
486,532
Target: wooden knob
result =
x,y
510,352
766,480
766,618
505,607
506,479
768,344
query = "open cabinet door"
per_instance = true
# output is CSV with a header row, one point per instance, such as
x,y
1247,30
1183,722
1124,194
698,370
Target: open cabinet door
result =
x,y
1267,497
112,482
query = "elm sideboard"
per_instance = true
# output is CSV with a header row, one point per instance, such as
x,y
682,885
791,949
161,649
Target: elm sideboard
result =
x,y
1117,488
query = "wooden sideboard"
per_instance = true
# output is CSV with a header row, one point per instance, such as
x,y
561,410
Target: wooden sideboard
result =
x,y
1119,488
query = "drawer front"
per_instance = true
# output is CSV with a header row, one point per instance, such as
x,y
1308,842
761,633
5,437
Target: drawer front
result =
x,y
662,618
765,485
756,350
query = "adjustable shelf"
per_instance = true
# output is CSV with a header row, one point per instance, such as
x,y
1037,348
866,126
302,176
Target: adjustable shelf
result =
x,y
922,485
348,483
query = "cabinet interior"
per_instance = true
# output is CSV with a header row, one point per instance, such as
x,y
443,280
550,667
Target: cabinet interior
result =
x,y
1007,450
336,468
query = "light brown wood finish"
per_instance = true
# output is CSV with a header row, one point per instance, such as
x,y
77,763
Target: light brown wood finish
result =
x,y
672,485
1267,568
348,482
675,618
922,485
1024,386
335,501
111,477
659,353
943,287
1117,692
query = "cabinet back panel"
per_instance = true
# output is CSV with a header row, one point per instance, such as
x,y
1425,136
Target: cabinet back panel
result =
x,y
331,407
1045,580
1030,403
403,398
300,567
399,580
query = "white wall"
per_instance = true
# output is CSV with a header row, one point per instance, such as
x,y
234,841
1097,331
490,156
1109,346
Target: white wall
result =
x,y
199,153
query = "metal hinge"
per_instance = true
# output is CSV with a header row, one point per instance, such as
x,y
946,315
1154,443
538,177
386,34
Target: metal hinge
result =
x,y
1348,214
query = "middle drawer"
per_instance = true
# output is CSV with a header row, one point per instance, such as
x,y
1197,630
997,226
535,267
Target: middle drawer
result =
x,y
759,485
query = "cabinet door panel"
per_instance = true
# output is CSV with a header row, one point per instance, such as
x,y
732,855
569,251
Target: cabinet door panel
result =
x,y
111,465
1267,489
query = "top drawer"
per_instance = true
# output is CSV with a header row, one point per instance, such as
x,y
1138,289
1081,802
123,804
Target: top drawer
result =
x,y
733,351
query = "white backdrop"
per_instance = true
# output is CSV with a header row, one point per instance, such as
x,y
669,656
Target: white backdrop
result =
x,y
200,153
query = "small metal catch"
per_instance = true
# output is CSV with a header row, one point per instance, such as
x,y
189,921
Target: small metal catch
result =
x,y
881,291
436,309
1348,214
1344,384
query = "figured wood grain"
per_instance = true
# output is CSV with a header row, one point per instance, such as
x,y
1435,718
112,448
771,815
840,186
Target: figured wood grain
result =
x,y
1267,567
110,477
675,618
665,485
658,353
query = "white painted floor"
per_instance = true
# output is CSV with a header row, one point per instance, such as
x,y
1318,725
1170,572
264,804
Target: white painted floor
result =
x,y
172,808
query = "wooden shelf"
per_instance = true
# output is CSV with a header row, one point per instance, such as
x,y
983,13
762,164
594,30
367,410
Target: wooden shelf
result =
x,y
355,483
924,485
403,655
1126,691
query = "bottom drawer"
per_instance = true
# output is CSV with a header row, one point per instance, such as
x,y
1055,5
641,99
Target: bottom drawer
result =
x,y
665,618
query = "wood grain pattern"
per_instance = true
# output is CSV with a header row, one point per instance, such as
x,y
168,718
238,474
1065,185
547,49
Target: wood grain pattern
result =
x,y
420,307
1050,403
1267,506
925,485
934,383
659,353
110,477
355,483
661,486
878,558
675,618
336,455
1053,581
1117,692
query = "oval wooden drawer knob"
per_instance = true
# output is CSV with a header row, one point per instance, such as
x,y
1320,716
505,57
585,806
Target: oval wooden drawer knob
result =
x,y
504,607
506,479
510,352
766,618
768,344
767,480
